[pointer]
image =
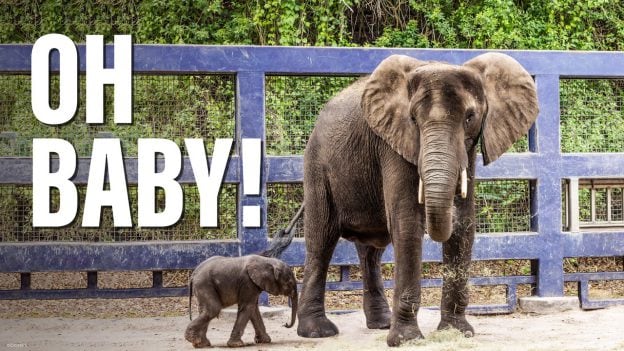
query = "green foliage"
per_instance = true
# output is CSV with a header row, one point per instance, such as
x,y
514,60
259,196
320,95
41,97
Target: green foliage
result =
x,y
500,24
411,36
16,219
292,22
507,24
502,206
173,107
591,116
274,22
284,201
292,106
170,107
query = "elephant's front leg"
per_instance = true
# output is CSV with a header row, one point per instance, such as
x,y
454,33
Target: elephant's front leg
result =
x,y
256,320
313,323
407,242
457,252
245,310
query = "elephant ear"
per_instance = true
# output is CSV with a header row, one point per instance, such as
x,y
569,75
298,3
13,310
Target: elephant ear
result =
x,y
385,102
262,273
512,105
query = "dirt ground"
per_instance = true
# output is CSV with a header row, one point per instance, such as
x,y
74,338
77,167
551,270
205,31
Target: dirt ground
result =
x,y
572,330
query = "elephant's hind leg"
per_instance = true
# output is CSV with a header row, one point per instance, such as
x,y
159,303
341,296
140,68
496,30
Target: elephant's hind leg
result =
x,y
209,308
196,330
321,237
376,307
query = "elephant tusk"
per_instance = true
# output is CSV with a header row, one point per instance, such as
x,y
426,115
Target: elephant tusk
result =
x,y
421,195
464,184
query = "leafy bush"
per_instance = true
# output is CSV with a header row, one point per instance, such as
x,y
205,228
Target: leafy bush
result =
x,y
292,105
592,119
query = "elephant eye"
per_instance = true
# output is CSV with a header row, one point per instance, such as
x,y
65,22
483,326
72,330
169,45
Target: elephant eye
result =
x,y
470,116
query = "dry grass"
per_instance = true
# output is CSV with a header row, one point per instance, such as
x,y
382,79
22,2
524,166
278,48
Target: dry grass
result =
x,y
94,308
9,281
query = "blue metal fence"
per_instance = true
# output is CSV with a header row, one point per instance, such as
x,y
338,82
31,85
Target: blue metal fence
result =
x,y
544,166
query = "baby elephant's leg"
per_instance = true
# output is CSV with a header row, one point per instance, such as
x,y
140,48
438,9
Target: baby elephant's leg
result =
x,y
243,316
196,330
261,335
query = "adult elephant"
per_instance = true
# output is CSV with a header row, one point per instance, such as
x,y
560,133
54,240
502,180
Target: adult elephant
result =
x,y
392,157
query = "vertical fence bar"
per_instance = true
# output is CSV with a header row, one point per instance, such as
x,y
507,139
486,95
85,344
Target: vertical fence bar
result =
x,y
345,273
532,136
566,203
609,216
25,281
592,205
548,189
573,205
157,279
534,221
92,279
250,124
512,296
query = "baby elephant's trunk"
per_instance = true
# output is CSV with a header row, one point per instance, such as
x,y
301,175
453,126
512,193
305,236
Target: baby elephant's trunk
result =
x,y
293,303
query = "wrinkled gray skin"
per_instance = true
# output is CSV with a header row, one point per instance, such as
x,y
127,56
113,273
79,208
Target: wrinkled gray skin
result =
x,y
219,282
372,144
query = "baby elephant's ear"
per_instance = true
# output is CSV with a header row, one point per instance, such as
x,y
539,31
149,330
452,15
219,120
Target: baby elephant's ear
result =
x,y
385,103
511,102
262,273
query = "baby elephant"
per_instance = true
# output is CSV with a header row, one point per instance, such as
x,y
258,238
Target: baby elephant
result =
x,y
223,281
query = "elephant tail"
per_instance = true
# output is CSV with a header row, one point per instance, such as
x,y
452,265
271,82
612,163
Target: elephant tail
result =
x,y
283,237
190,298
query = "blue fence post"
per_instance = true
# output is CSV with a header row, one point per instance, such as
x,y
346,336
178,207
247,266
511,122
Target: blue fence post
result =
x,y
547,197
250,124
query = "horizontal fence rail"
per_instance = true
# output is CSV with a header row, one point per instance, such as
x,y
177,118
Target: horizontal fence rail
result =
x,y
544,167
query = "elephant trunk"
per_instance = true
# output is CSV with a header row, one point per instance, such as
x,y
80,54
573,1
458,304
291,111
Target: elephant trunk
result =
x,y
439,175
439,218
294,305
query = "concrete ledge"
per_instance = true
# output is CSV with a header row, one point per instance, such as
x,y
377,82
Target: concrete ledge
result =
x,y
548,305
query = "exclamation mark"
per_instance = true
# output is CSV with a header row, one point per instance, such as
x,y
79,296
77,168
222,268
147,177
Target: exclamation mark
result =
x,y
251,150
